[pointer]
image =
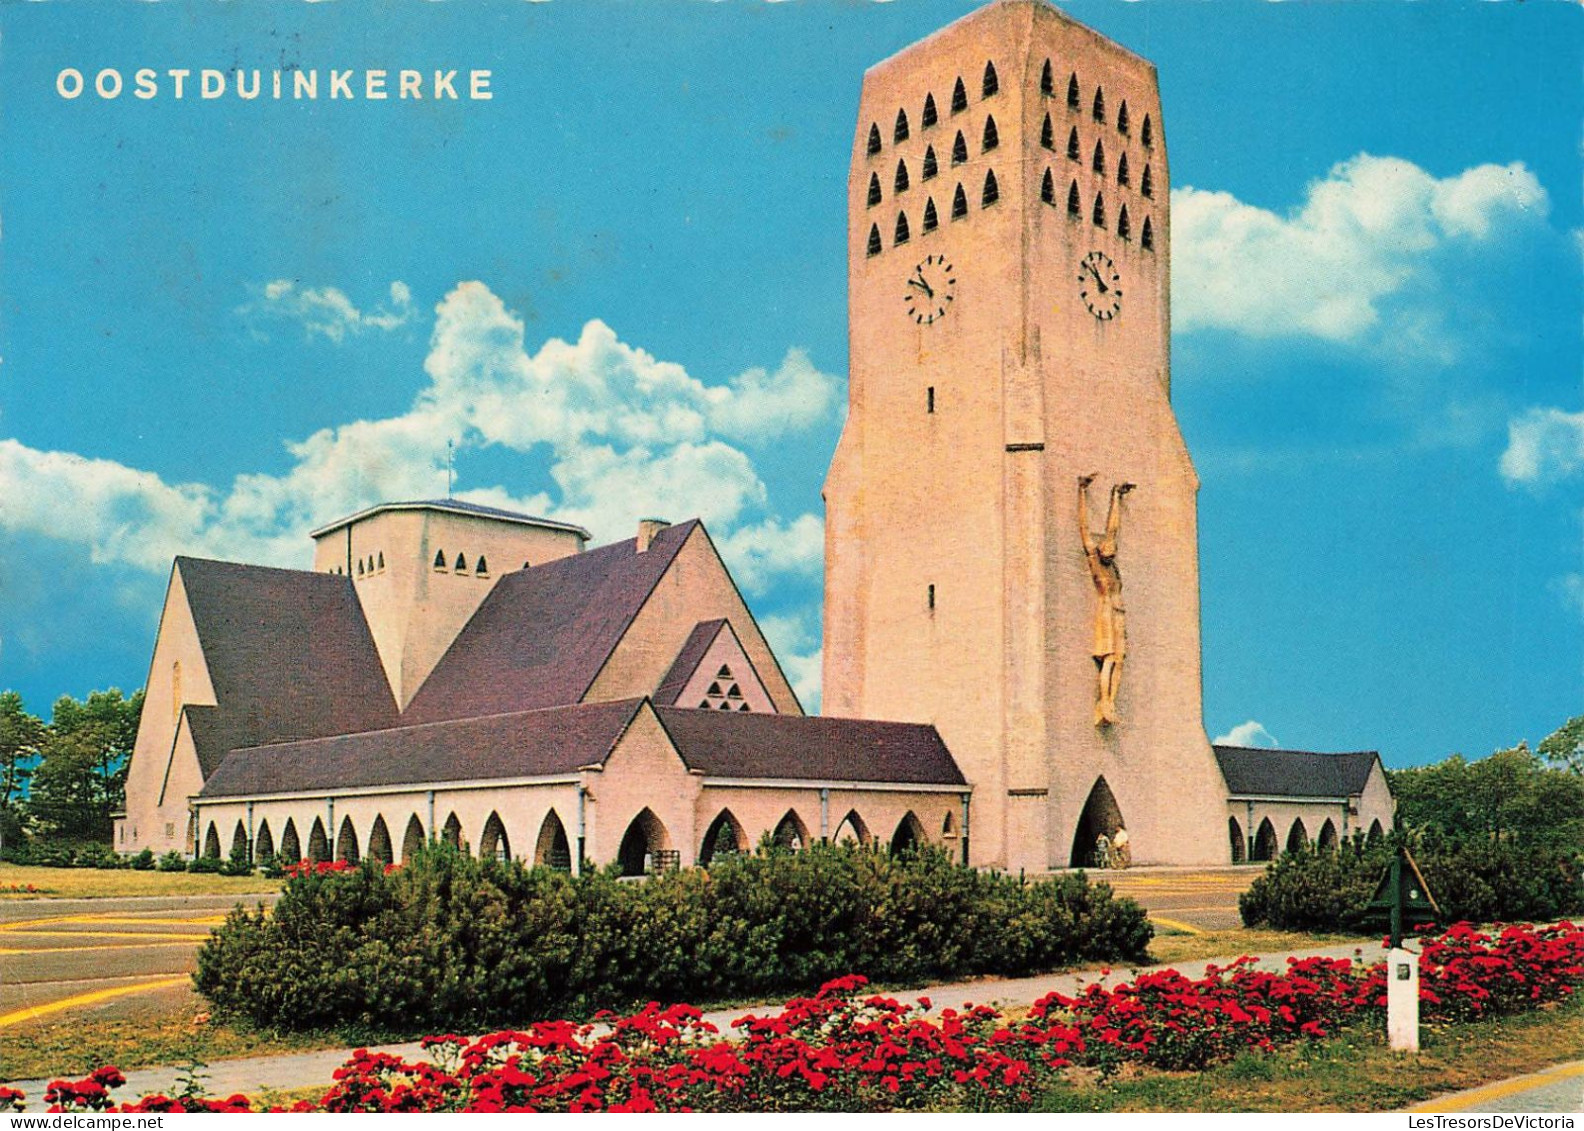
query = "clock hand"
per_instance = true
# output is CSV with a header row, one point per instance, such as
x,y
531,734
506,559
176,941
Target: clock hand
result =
x,y
919,275
1090,268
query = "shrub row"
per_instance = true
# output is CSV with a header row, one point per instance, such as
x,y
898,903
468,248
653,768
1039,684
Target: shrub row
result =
x,y
452,942
105,858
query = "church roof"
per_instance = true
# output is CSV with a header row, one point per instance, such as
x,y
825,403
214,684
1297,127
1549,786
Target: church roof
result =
x,y
746,744
454,506
525,744
289,656
1252,772
542,635
687,661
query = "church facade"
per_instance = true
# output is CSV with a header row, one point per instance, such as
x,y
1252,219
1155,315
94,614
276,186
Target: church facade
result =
x,y
1011,638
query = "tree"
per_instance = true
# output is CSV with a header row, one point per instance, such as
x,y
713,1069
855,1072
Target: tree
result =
x,y
1510,796
20,737
80,781
1564,747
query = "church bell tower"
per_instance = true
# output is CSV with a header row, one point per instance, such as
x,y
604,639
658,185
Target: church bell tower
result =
x,y
1009,338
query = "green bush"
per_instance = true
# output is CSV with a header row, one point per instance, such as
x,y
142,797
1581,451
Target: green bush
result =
x,y
172,861
143,861
448,942
212,865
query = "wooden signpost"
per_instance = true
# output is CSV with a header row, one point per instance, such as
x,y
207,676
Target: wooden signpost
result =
x,y
1403,899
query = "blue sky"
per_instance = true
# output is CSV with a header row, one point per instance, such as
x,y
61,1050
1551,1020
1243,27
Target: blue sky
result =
x,y
619,286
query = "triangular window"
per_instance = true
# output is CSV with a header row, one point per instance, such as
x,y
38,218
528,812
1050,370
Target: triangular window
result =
x,y
1099,157
929,117
931,221
874,139
901,235
1147,236
992,191
1124,229
959,98
930,168
874,239
1047,79
874,189
959,149
901,177
1146,184
439,562
901,133
1048,134
1122,170
1099,210
991,137
1073,102
1122,119
1048,188
1099,105
1074,207
991,83
1072,145
1147,135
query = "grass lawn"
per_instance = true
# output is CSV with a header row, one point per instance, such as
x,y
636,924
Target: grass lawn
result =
x,y
92,883
1170,947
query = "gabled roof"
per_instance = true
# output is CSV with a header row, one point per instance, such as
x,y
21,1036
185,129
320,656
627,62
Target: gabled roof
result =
x,y
687,661
454,506
288,653
744,744
542,635
522,745
1252,772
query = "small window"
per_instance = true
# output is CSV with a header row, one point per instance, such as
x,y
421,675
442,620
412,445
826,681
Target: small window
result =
x,y
991,83
930,168
931,596
527,565
874,189
1048,134
929,117
439,562
959,149
1098,215
461,563
1072,145
725,706
1147,236
703,705
929,400
1146,184
1099,105
901,235
901,177
1098,164
901,133
1122,118
959,98
874,139
715,690
931,220
1048,188
1124,229
744,707
482,567
992,191
991,137
1073,97
734,692
1122,170
959,204
1047,79
382,559
1074,206
360,567
1146,134
874,239
724,673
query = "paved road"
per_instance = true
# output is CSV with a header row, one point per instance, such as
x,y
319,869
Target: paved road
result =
x,y
1557,1089
1196,899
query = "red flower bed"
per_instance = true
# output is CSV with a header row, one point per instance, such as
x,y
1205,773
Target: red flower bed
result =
x,y
843,1051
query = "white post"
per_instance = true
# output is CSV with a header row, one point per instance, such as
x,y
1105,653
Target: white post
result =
x,y
1402,1000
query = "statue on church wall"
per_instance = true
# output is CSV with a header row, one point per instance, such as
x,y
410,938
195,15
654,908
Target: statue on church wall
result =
x,y
1110,632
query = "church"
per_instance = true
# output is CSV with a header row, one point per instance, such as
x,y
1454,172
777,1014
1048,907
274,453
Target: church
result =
x,y
1010,465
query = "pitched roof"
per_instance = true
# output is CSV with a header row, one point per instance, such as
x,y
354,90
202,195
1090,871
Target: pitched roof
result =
x,y
1294,773
688,659
288,653
543,634
455,506
745,744
520,745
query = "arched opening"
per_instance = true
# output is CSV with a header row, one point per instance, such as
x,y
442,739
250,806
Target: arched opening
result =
x,y
724,837
1375,834
909,834
931,222
874,138
959,97
1265,841
461,563
1101,816
1235,834
264,842
1297,836
874,189
379,847
493,842
451,832
1147,183
929,117
318,843
1122,170
949,825
291,847
552,849
1048,134
1124,228
1073,97
930,167
1074,205
992,136
1147,236
190,840
347,842
991,83
852,830
439,562
212,842
1147,135
1099,210
901,237
1099,104
1048,188
413,838
1073,151
790,833
902,181
874,239
959,204
645,846
900,133
239,842
1122,118
992,191
1047,79
1327,840
1098,164
959,149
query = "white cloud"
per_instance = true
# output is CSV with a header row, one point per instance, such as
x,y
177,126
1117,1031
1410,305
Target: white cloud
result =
x,y
1353,264
327,310
1250,733
760,405
1543,445
795,639
757,554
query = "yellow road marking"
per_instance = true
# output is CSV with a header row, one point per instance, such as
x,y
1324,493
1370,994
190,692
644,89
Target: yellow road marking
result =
x,y
33,1011
114,935
1477,1096
26,923
79,949
1175,925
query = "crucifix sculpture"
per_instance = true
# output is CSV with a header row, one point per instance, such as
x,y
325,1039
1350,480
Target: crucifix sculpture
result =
x,y
1110,630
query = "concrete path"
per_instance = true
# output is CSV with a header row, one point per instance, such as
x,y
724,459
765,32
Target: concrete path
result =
x,y
253,1075
1557,1089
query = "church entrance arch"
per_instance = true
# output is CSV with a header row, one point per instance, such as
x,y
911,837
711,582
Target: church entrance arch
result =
x,y
1375,834
413,838
379,849
212,842
724,837
852,830
347,842
318,843
239,843
264,842
909,835
1327,841
291,847
1265,841
553,850
1101,816
645,846
493,842
1235,834
1297,836
790,833
451,833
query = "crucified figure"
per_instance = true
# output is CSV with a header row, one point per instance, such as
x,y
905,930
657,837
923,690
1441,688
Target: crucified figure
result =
x,y
1110,633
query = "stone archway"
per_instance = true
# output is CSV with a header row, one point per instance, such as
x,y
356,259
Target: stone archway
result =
x,y
852,830
645,846
413,838
1265,841
379,844
553,850
451,833
493,841
724,837
239,843
318,843
909,835
264,842
1297,836
790,832
212,842
347,843
1376,834
1101,816
1327,840
1235,834
291,847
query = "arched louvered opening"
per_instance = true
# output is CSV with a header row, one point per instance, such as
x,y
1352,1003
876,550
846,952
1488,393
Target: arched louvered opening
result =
x,y
790,832
991,84
901,235
992,191
1147,236
1147,134
874,139
929,117
1122,118
959,204
1099,105
991,138
1074,205
318,843
347,843
439,562
1375,834
874,189
645,846
959,98
290,846
493,841
852,829
909,835
461,563
212,842
724,837
379,844
1048,133
1074,153
264,843
1235,835
1074,99
239,843
900,184
900,132
959,149
874,239
1101,817
1327,840
1147,184
1099,215
1122,170
1047,79
1297,836
931,220
360,567
1265,841
949,825
413,839
552,849
1098,162
1048,188
1124,229
930,167
451,833
381,565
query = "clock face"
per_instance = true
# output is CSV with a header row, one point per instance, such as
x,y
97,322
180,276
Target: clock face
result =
x,y
1100,286
930,289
